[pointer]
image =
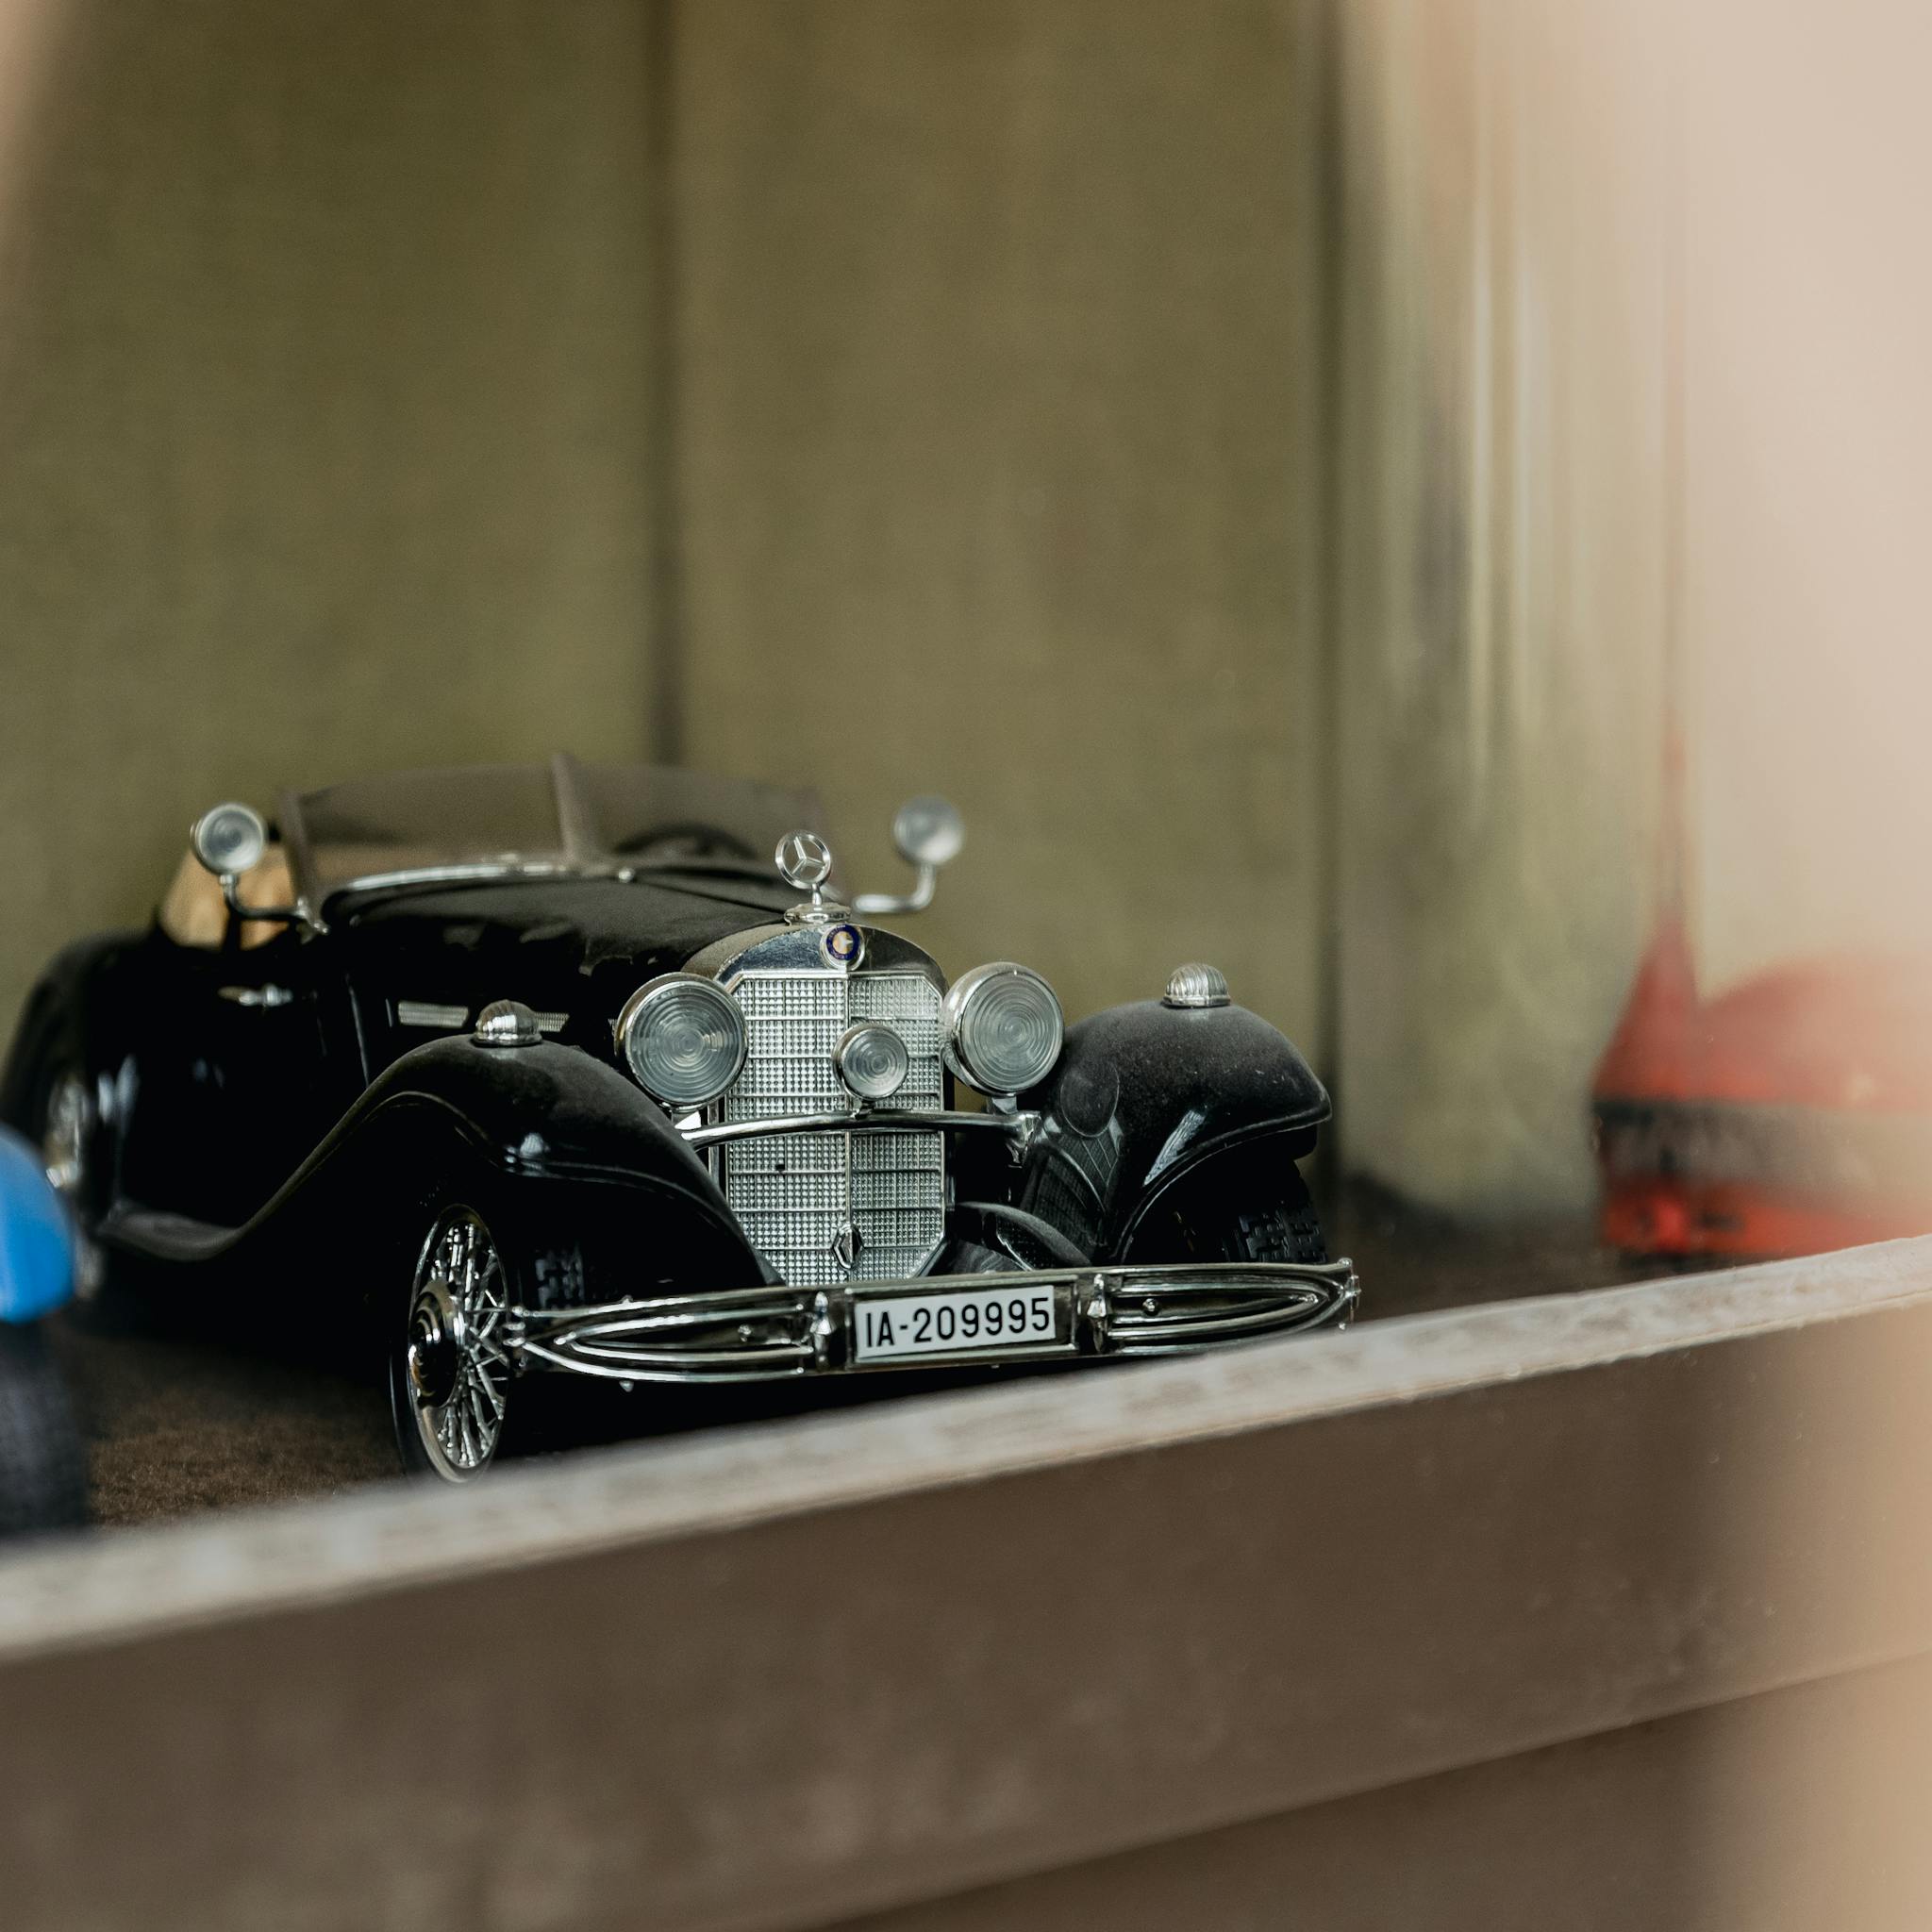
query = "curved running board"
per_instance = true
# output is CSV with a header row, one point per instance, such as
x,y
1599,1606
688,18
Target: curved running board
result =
x,y
164,1237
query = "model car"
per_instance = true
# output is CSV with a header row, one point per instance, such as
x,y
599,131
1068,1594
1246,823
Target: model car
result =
x,y
557,1070
43,1472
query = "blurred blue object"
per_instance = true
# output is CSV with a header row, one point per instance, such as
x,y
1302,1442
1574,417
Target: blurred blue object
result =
x,y
36,1245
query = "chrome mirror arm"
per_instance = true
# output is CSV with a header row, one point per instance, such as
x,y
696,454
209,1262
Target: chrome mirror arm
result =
x,y
230,840
917,900
297,914
928,832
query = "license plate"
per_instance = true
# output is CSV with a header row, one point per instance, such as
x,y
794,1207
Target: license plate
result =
x,y
962,1322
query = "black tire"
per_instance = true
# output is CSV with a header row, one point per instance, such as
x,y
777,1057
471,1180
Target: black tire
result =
x,y
1284,1229
969,1257
43,1464
1260,1212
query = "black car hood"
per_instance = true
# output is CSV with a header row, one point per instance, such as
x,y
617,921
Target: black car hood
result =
x,y
574,946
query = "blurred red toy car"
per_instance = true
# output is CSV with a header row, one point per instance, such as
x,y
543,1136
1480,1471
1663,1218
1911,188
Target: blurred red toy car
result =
x,y
1791,1115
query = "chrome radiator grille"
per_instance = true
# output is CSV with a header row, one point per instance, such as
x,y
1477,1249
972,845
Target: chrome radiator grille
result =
x,y
799,1196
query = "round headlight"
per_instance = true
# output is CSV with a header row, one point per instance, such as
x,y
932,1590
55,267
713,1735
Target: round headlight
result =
x,y
1002,1028
684,1038
871,1062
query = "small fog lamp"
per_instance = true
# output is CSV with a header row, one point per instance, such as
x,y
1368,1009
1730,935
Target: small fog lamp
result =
x,y
871,1062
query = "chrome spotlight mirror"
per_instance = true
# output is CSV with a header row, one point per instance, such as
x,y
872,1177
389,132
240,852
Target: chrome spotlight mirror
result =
x,y
229,840
928,832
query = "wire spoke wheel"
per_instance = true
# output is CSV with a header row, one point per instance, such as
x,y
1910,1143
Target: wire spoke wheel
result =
x,y
458,1374
69,1125
65,1134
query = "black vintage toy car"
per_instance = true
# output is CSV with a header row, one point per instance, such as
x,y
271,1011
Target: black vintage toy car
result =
x,y
549,1069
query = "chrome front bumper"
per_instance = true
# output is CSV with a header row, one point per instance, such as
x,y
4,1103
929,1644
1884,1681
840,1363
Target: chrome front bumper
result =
x,y
773,1334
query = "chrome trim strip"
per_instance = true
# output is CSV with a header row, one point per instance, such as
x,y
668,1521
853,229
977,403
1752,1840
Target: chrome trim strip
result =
x,y
767,1334
783,948
451,1019
1018,1127
456,875
267,996
430,1013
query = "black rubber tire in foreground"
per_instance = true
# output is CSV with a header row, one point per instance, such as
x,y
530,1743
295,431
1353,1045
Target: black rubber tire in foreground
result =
x,y
43,1464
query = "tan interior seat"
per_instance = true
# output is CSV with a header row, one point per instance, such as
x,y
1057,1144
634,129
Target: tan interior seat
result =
x,y
193,913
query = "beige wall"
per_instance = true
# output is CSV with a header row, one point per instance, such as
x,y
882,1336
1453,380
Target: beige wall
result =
x,y
323,413
998,460
1810,478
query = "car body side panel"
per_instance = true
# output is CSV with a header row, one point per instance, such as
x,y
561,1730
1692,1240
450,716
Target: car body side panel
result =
x,y
60,1016
1142,1095
212,1073
83,1014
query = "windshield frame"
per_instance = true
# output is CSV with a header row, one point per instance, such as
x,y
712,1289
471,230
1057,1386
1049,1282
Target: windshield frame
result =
x,y
581,850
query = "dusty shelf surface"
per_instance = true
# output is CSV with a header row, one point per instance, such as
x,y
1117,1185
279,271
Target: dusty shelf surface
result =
x,y
178,1424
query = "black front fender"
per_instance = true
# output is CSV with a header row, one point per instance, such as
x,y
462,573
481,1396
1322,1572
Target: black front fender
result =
x,y
571,1149
566,1160
546,1111
1142,1095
